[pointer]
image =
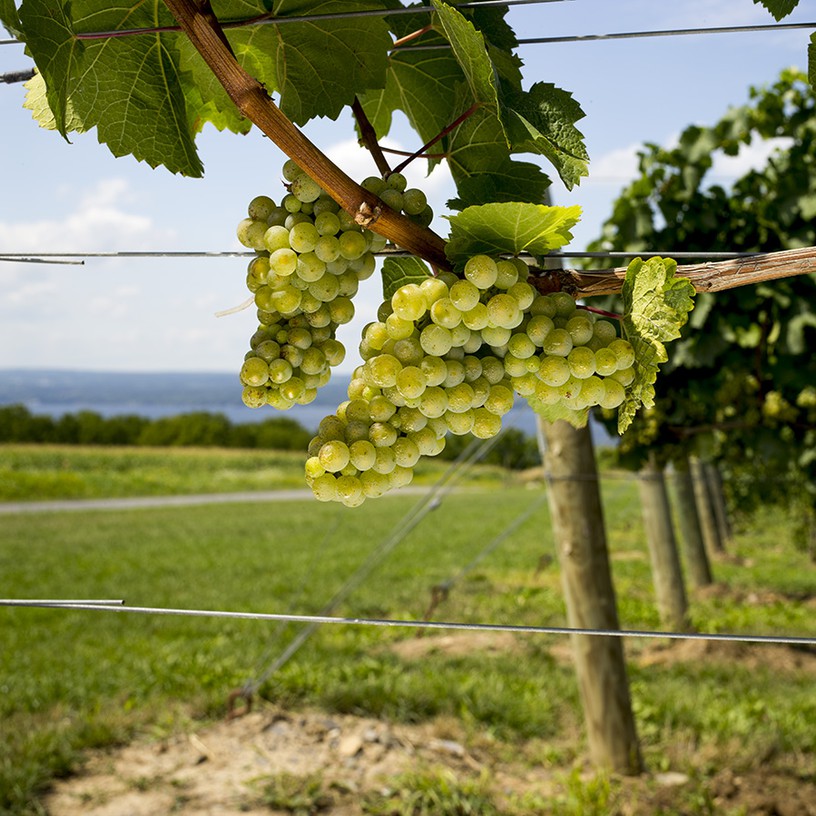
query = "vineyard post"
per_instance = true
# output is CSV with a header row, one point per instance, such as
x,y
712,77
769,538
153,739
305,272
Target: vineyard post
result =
x,y
697,561
705,508
715,487
578,527
667,574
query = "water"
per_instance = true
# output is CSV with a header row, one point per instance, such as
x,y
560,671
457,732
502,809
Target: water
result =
x,y
160,394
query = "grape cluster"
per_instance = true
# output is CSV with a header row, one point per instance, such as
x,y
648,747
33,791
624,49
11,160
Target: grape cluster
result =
x,y
311,257
448,355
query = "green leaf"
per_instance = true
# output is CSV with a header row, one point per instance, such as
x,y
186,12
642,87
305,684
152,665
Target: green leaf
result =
x,y
656,305
56,52
318,67
37,102
469,48
552,413
542,120
398,271
509,228
811,52
778,8
508,181
11,19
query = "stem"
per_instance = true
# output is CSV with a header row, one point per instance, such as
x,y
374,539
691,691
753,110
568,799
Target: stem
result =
x,y
250,97
458,121
407,153
601,312
368,137
408,37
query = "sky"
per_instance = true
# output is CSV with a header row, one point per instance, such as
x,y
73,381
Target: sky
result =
x,y
159,314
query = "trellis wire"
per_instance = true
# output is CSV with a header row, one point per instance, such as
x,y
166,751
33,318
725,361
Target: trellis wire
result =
x,y
784,640
429,502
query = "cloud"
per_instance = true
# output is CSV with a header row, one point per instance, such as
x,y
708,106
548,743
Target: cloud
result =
x,y
99,221
618,165
751,157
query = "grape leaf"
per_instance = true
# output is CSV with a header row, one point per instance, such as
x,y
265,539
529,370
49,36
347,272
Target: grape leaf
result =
x,y
320,66
509,228
552,413
656,306
811,53
506,181
400,270
542,120
36,101
10,19
778,8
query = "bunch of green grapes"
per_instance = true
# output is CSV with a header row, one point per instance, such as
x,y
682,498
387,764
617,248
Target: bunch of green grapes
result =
x,y
447,356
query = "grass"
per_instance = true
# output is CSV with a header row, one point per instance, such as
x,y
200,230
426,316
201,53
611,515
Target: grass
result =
x,y
76,680
40,472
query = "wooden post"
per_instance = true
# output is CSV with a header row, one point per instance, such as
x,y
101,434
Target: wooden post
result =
x,y
691,535
705,509
667,574
578,525
715,489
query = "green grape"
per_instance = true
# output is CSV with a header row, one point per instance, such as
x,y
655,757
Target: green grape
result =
x,y
327,248
374,184
473,368
623,352
435,340
268,350
514,366
334,455
409,351
581,361
492,370
381,409
287,300
433,402
382,434
526,384
411,419
411,382
291,170
313,362
538,328
554,371
408,302
280,371
309,267
382,370
275,238
625,376
503,311
445,314
291,203
604,331
460,398
305,189
278,401
324,488
455,373
460,335
406,453
327,224
392,198
464,295
432,290
313,467
547,394
507,274
477,318
251,233
260,208
425,440
374,484
352,245
460,423
481,271
435,370
593,390
396,181
496,336
500,400
362,454
485,424
350,490
580,329
520,345
523,293
325,289
558,342
398,328
543,305
605,362
414,201
614,394
293,389
283,261
385,461
253,396
376,335
401,477
564,304
300,338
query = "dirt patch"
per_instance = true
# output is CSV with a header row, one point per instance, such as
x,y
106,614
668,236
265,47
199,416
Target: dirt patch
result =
x,y
458,645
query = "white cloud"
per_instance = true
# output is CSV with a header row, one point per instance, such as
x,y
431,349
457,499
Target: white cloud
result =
x,y
751,157
618,165
99,221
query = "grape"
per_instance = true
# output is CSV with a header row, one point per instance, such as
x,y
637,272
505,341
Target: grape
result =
x,y
435,340
334,455
408,302
500,400
481,271
503,311
260,208
581,361
554,371
411,382
558,342
432,290
414,201
624,353
580,329
506,274
305,189
445,314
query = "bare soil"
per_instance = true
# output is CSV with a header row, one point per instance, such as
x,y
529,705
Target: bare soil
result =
x,y
225,768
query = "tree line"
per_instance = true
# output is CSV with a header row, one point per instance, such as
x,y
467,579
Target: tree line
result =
x,y
515,450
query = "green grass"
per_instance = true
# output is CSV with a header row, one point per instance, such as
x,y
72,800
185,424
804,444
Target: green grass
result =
x,y
39,472
74,680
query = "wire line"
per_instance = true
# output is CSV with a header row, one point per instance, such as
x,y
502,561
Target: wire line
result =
x,y
418,624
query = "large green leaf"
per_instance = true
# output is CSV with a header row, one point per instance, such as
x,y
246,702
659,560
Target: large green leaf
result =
x,y
10,18
506,181
811,52
778,8
36,101
656,306
510,228
318,67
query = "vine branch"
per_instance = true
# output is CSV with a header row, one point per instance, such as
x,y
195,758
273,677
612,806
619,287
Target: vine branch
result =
x,y
368,138
206,35
705,277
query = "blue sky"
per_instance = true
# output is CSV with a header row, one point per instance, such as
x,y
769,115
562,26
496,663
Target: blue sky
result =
x,y
158,315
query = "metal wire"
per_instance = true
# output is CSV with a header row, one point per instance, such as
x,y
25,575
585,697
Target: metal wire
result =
x,y
307,18
416,624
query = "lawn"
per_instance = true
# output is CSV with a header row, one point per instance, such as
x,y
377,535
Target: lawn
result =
x,y
77,680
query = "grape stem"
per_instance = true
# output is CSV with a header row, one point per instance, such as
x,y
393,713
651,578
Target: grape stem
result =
x,y
412,36
368,138
200,24
444,132
601,312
